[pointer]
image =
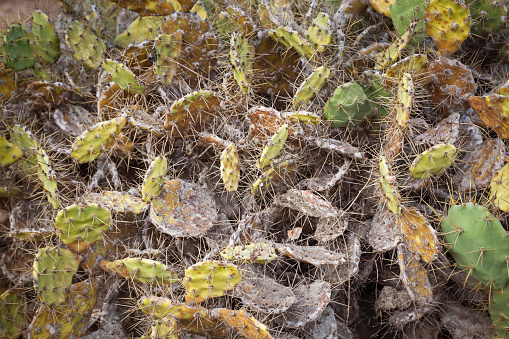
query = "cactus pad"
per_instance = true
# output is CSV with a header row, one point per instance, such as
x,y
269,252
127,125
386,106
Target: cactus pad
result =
x,y
448,24
141,270
291,38
230,172
209,280
154,178
168,50
478,243
17,50
47,44
419,236
488,16
499,193
391,193
272,150
405,99
260,253
382,6
314,255
406,13
311,301
193,111
53,270
155,7
393,52
493,109
434,161
141,29
88,48
414,276
122,76
245,325
319,33
117,202
348,107
92,143
311,86
183,209
241,57
9,153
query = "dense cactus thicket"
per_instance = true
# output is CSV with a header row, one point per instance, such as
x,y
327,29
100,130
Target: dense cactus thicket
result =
x,y
256,169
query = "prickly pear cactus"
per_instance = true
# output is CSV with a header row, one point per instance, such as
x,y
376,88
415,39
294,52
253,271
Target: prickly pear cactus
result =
x,y
230,172
12,313
17,50
88,48
141,270
122,76
47,44
209,280
275,146
260,253
349,106
241,57
499,193
433,161
154,178
311,86
168,50
391,193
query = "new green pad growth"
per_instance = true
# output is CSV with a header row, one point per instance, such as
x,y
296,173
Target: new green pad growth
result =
x,y
241,57
47,44
122,76
434,161
82,225
349,106
478,243
311,86
230,172
319,33
88,48
53,270
210,279
272,150
92,143
141,270
154,178
17,50
9,153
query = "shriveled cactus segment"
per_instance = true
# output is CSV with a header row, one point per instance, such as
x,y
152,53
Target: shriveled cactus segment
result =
x,y
500,189
209,280
53,270
308,203
16,49
69,320
245,325
311,86
183,209
191,112
493,109
13,308
448,24
349,106
122,76
9,153
488,16
141,270
92,143
272,150
80,226
141,29
291,38
117,202
230,172
315,255
260,253
47,44
499,309
304,117
168,49
414,276
88,48
419,236
154,178
478,243
155,7
434,161
241,57
391,193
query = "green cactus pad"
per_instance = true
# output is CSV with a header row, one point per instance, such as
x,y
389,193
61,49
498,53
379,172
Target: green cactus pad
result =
x,y
23,138
92,143
209,280
168,49
9,153
405,13
79,226
394,51
448,24
241,322
47,177
141,29
154,179
69,320
415,64
434,161
349,106
499,311
382,6
6,191
272,150
47,44
499,193
260,253
156,7
53,270
17,50
303,117
311,86
478,243
319,33
123,76
141,270
291,38
230,171
390,191
13,310
88,48
241,57
405,99
488,16
193,111
377,94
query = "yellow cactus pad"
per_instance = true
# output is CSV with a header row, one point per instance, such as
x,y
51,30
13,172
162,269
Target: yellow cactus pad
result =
x,y
230,172
500,189
420,237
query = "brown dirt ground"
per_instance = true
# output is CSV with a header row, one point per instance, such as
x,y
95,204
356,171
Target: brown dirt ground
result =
x,y
19,10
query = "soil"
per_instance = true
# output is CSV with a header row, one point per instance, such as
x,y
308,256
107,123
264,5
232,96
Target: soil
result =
x,y
20,10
